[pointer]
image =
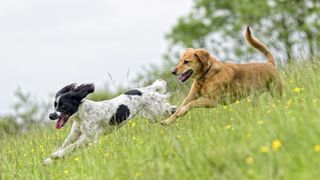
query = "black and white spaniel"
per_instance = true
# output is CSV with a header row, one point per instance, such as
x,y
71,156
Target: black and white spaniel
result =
x,y
92,119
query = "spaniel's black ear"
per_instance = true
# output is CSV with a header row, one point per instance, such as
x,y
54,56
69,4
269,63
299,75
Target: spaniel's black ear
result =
x,y
66,89
82,91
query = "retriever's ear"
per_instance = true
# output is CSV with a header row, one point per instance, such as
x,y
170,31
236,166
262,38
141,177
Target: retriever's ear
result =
x,y
203,56
66,89
82,91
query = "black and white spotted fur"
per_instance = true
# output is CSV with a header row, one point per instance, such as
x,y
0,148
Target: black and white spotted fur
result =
x,y
91,119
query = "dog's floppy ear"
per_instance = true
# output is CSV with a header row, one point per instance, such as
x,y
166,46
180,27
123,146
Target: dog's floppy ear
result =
x,y
66,89
204,56
82,91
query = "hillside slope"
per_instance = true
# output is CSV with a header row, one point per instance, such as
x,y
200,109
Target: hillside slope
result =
x,y
277,139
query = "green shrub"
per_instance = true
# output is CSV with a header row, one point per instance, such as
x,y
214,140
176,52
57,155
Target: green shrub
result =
x,y
8,125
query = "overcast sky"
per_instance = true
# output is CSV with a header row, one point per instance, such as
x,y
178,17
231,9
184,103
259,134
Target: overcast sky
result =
x,y
45,45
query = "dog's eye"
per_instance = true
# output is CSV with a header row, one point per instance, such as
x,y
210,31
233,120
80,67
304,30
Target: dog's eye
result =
x,y
186,62
55,104
62,107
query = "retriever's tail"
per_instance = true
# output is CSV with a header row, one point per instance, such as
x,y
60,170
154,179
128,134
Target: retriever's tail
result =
x,y
255,43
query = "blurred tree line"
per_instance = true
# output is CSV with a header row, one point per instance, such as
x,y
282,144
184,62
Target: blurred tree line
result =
x,y
290,28
292,24
27,111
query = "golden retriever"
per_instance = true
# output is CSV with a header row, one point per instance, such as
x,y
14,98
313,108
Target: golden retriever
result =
x,y
223,83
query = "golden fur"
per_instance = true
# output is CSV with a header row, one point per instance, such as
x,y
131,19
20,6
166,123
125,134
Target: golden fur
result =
x,y
222,83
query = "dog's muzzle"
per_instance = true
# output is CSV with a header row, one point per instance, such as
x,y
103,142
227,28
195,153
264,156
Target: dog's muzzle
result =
x,y
54,116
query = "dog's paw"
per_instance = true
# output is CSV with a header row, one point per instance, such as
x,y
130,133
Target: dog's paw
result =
x,y
47,161
57,154
166,122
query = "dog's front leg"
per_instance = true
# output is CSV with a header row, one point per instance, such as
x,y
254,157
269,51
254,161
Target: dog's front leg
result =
x,y
175,115
75,133
201,102
82,141
191,96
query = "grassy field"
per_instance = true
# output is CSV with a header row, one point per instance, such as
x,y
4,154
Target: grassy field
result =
x,y
277,139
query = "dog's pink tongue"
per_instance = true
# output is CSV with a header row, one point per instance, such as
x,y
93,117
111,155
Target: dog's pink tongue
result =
x,y
60,123
182,77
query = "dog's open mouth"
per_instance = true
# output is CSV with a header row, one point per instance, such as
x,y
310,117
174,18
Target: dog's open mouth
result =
x,y
185,76
62,120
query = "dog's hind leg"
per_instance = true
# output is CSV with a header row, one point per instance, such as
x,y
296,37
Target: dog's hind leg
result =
x,y
276,89
98,134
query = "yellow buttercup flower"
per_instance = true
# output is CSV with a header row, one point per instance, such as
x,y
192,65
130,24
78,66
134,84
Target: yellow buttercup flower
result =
x,y
260,122
248,135
317,148
228,126
76,159
249,160
264,149
133,124
276,145
297,90
161,131
137,174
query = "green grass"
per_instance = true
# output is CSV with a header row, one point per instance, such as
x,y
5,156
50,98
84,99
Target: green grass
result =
x,y
228,142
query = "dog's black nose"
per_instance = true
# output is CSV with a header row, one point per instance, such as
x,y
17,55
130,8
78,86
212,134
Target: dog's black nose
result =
x,y
174,72
53,116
